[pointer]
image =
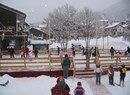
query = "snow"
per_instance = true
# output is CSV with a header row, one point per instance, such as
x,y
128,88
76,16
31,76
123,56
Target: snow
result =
x,y
117,43
42,85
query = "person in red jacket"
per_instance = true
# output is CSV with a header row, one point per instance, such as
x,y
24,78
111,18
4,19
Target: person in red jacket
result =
x,y
60,87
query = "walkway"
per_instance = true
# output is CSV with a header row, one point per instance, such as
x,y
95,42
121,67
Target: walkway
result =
x,y
97,89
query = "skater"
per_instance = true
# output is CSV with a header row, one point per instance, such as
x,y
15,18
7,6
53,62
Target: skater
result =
x,y
122,75
98,70
73,50
111,74
58,50
128,52
112,50
79,90
11,51
83,51
66,65
36,53
5,83
61,88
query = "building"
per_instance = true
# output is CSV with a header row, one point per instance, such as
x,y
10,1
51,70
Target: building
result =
x,y
115,29
12,28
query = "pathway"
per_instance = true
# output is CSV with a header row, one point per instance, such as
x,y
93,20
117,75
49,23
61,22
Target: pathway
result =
x,y
97,89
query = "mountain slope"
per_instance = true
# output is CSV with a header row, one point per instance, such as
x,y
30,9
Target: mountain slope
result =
x,y
118,11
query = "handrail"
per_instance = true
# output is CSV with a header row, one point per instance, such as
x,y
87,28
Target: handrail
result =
x,y
74,68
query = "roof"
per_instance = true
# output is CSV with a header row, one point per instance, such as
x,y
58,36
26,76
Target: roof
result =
x,y
113,25
38,29
12,10
39,41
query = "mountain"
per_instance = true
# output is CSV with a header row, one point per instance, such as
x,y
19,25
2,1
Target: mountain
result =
x,y
118,11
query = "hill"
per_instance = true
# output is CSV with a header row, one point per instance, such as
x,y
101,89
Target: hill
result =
x,y
118,11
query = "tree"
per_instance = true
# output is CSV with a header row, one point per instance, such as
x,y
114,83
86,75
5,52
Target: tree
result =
x,y
62,23
87,29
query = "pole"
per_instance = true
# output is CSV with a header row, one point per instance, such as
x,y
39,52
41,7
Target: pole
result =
x,y
107,40
49,54
96,58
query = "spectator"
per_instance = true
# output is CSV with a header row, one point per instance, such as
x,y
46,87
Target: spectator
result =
x,y
111,74
79,90
66,65
60,88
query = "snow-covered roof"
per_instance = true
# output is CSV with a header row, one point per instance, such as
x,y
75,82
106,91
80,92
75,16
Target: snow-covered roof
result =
x,y
113,25
39,41
125,25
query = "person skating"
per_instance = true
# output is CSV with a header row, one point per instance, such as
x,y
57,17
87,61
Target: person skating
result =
x,y
112,50
111,74
98,70
35,52
122,75
66,65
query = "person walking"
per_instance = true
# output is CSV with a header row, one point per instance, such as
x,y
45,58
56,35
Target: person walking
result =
x,y
122,75
98,70
66,65
112,50
111,74
79,90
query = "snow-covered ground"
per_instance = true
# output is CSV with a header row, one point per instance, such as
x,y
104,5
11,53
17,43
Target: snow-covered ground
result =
x,y
42,85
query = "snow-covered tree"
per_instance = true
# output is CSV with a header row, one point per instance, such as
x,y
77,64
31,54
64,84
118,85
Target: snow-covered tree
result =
x,y
62,22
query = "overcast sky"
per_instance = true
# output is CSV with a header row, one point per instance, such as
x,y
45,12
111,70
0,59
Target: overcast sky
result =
x,y
36,10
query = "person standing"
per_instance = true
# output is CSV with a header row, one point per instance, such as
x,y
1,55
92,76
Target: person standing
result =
x,y
112,50
98,70
79,90
122,75
66,65
111,74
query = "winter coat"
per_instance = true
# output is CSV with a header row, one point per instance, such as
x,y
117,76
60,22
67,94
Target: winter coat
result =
x,y
123,72
110,71
79,90
66,62
57,90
